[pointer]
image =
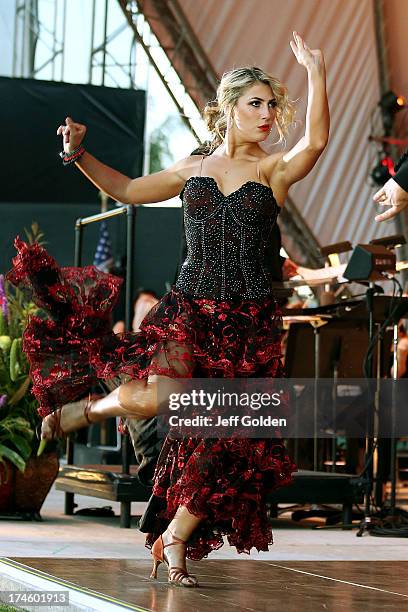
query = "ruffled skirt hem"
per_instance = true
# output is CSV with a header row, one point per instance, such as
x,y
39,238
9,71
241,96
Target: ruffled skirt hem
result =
x,y
71,347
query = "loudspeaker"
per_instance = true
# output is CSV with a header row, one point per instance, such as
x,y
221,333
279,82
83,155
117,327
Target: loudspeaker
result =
x,y
368,261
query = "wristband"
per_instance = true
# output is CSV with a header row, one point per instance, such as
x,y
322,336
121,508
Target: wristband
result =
x,y
72,156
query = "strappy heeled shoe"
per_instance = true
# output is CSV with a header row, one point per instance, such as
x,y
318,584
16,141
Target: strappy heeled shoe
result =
x,y
76,416
177,575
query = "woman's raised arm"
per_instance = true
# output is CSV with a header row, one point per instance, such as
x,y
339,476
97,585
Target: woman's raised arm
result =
x,y
297,163
142,190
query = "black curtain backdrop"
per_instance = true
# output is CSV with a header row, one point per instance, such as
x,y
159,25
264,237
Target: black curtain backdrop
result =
x,y
30,112
36,187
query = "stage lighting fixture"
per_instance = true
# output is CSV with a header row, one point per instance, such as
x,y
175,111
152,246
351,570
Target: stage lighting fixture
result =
x,y
390,104
383,170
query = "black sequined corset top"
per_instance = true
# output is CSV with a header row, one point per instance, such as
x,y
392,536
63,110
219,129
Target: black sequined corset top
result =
x,y
226,239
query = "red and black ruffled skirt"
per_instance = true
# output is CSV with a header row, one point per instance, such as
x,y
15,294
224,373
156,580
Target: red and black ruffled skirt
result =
x,y
72,347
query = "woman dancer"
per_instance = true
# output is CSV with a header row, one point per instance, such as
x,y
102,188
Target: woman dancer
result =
x,y
220,318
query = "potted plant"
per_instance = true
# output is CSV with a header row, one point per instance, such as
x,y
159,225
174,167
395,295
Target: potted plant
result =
x,y
25,479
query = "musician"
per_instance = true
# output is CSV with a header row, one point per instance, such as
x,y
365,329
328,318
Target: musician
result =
x,y
395,191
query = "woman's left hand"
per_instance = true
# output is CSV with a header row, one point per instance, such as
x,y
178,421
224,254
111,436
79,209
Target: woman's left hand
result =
x,y
306,57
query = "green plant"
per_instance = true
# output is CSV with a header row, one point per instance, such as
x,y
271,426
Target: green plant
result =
x,y
18,407
5,608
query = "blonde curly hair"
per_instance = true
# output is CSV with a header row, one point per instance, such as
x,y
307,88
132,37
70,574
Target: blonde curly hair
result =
x,y
232,86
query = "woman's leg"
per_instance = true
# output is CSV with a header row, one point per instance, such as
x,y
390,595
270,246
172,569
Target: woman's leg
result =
x,y
183,523
140,399
137,399
174,539
171,548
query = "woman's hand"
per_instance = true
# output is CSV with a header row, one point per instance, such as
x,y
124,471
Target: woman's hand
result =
x,y
72,134
309,58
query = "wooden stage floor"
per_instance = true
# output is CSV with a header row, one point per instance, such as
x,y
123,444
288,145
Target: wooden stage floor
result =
x,y
241,585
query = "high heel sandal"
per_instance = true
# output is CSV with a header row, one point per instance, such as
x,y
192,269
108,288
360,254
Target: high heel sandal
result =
x,y
79,417
176,575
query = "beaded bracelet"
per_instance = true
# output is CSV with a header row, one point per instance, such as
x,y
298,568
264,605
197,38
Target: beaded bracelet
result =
x,y
72,156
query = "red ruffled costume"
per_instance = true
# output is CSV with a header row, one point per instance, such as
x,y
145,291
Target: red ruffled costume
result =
x,y
224,481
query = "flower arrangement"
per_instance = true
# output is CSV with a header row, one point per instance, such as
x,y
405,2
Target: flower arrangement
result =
x,y
18,407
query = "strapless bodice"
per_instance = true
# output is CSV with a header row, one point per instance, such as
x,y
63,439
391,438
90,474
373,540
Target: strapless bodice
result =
x,y
226,239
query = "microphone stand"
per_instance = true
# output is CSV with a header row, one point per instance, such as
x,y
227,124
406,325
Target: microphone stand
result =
x,y
365,524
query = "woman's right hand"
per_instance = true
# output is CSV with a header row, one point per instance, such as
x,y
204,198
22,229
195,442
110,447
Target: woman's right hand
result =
x,y
72,134
309,58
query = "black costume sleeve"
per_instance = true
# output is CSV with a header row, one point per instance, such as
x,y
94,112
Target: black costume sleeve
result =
x,y
401,175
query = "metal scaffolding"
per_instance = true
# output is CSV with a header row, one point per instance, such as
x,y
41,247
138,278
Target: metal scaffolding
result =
x,y
28,32
33,30
40,50
177,39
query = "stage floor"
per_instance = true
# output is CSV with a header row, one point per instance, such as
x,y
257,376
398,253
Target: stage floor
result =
x,y
241,585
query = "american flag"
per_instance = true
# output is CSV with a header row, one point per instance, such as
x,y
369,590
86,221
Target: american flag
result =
x,y
103,257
